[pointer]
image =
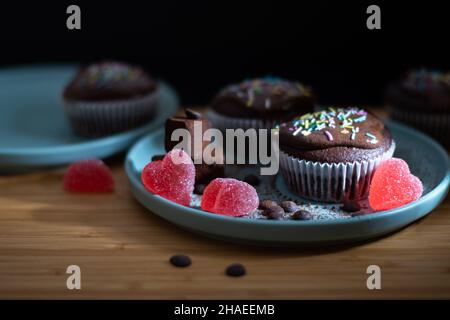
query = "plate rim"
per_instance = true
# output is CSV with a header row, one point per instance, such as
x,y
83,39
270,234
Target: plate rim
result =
x,y
439,190
82,146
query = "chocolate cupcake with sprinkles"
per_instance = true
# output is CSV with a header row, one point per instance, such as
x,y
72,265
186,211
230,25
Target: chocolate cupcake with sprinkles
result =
x,y
331,155
422,99
259,103
109,97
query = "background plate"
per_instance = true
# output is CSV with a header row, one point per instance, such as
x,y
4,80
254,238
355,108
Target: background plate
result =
x,y
426,158
34,131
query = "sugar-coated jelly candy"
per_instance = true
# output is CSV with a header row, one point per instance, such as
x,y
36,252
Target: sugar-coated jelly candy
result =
x,y
90,175
229,197
393,185
172,178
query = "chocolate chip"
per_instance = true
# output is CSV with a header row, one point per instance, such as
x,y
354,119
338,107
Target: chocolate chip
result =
x,y
191,114
253,180
274,213
199,188
157,157
351,206
235,270
264,204
180,260
289,206
302,215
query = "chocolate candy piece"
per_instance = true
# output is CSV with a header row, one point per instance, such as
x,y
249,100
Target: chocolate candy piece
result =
x,y
264,204
199,188
289,206
180,260
235,270
302,215
179,122
204,173
274,213
253,180
158,157
191,114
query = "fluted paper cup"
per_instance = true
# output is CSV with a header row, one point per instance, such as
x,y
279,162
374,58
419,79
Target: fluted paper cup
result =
x,y
330,182
436,125
222,122
94,119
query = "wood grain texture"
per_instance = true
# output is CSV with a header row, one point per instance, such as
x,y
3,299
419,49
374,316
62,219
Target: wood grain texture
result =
x,y
123,251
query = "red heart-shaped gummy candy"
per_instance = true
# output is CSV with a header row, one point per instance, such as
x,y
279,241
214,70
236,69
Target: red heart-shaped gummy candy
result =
x,y
172,178
393,185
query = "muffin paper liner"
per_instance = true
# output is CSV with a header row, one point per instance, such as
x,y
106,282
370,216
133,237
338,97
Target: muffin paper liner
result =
x,y
435,124
222,122
94,119
330,182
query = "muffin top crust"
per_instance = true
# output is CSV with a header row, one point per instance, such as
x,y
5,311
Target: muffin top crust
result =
x,y
421,90
262,98
335,135
109,80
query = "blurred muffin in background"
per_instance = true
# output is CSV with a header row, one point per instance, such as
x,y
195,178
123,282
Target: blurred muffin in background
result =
x,y
109,97
422,99
259,103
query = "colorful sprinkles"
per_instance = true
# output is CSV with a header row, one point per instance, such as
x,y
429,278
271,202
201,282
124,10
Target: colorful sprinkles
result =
x,y
271,86
104,73
329,135
346,119
424,79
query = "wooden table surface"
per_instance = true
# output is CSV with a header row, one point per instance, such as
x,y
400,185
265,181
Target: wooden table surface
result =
x,y
123,251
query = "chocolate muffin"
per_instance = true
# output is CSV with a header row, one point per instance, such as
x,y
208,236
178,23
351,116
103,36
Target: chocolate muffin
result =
x,y
259,103
109,97
422,99
331,155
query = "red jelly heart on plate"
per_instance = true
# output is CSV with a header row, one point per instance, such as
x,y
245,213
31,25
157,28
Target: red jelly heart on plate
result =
x,y
172,178
229,197
393,185
88,176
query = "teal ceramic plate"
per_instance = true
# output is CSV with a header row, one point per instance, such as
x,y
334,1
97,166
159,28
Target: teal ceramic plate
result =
x,y
425,157
34,131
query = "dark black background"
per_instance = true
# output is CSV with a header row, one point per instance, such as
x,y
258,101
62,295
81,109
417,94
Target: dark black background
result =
x,y
200,46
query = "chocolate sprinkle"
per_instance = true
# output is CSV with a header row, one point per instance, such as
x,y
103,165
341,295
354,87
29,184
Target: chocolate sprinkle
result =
x,y
264,204
289,206
235,270
274,213
180,261
302,215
